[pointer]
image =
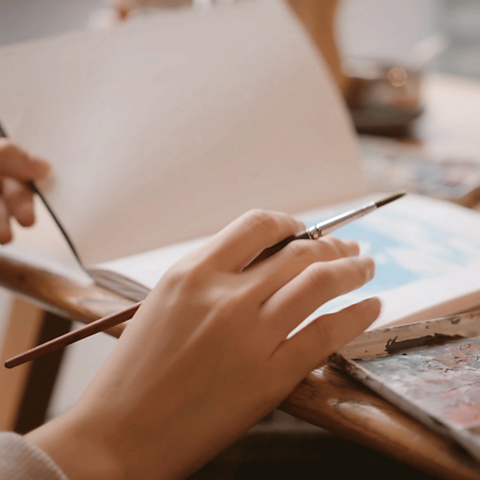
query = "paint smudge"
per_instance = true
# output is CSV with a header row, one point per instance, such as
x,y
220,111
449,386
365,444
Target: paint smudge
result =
x,y
393,346
443,380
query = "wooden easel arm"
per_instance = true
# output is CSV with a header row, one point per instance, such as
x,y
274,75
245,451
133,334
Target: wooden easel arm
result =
x,y
60,295
331,400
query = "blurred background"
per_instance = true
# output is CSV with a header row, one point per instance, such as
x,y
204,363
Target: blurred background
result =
x,y
388,30
381,46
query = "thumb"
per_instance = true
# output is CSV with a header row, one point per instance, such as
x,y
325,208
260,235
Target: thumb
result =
x,y
17,163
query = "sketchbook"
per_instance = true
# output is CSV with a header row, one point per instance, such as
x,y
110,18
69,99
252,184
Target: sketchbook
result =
x,y
427,256
168,127
426,251
163,130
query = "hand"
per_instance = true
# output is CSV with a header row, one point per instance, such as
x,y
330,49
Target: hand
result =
x,y
17,168
207,354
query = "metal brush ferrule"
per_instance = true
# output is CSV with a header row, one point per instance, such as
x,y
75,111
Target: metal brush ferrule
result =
x,y
328,226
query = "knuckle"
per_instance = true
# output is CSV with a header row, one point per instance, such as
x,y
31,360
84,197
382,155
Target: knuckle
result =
x,y
332,241
337,247
184,275
258,217
328,247
323,335
303,249
320,276
189,286
271,224
262,220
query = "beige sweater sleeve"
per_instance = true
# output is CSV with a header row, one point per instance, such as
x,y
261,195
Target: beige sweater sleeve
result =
x,y
20,460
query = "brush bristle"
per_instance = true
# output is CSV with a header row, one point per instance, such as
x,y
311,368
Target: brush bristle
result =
x,y
390,198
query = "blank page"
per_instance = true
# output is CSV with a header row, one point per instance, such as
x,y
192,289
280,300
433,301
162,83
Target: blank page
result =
x,y
168,127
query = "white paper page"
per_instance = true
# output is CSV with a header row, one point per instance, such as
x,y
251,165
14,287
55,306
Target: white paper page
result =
x,y
427,256
145,268
167,128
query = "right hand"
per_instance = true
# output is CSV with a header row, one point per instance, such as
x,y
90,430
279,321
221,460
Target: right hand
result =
x,y
207,354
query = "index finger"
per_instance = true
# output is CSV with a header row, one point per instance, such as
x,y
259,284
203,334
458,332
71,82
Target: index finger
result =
x,y
239,243
16,163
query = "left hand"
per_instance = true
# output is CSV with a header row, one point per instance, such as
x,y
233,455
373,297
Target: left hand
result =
x,y
17,169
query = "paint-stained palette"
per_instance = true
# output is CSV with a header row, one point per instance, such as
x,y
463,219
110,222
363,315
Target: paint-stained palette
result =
x,y
431,370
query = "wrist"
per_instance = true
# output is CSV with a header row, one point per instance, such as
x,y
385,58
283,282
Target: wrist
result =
x,y
87,445
78,450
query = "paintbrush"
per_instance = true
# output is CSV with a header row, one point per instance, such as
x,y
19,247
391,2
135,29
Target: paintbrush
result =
x,y
312,233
